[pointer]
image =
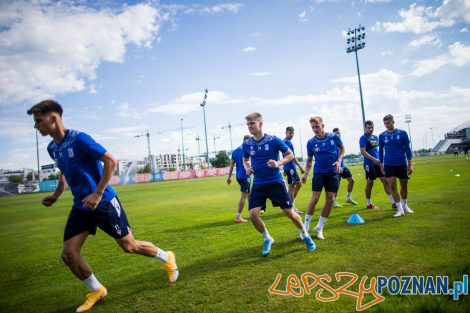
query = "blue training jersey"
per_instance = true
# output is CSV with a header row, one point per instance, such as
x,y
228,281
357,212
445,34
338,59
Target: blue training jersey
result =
x,y
78,158
260,152
371,144
290,165
395,146
237,157
325,151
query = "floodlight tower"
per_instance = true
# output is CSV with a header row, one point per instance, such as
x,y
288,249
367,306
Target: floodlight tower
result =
x,y
203,105
356,42
408,121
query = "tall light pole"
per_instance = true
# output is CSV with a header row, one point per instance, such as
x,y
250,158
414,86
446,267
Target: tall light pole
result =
x,y
37,156
229,126
198,139
215,151
432,137
182,145
408,121
356,42
203,105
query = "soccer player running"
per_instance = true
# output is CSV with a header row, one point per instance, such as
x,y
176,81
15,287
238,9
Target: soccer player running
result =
x,y
396,163
324,147
369,146
95,203
243,179
290,170
263,151
346,174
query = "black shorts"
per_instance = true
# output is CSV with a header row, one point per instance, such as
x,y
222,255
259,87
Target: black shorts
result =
x,y
276,192
244,184
346,173
292,176
400,172
110,217
373,171
328,180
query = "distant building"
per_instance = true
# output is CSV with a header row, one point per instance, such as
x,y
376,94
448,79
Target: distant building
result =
x,y
457,138
48,170
5,174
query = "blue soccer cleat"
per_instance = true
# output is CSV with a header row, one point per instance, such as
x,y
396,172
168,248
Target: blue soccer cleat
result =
x,y
310,244
267,246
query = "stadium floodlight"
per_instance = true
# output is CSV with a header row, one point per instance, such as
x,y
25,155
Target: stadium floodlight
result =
x,y
408,121
182,145
37,156
356,41
203,105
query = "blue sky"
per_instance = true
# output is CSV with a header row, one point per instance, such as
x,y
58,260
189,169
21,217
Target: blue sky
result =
x,y
121,68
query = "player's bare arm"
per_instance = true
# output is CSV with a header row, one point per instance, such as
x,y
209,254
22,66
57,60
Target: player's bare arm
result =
x,y
247,166
230,170
288,156
308,166
302,171
109,164
339,169
50,200
370,157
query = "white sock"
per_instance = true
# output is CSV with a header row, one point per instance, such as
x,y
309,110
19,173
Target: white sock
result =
x,y
303,233
391,198
162,255
266,235
399,206
239,215
92,283
403,203
308,218
369,202
321,222
348,195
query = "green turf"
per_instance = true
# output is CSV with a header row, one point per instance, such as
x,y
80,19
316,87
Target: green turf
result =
x,y
220,263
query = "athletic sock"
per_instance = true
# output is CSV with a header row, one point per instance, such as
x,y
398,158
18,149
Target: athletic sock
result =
x,y
303,233
399,206
308,218
162,255
92,283
266,235
321,222
348,195
369,201
391,198
239,215
403,203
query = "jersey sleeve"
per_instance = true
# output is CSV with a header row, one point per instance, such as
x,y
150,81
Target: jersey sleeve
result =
x,y
406,143
282,146
338,141
381,148
89,146
310,149
246,154
362,142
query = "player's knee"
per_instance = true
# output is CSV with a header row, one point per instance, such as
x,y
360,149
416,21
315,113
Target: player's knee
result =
x,y
254,213
68,256
128,246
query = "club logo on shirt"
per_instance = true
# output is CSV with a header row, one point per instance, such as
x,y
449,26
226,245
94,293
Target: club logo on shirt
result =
x,y
332,142
266,147
398,137
70,151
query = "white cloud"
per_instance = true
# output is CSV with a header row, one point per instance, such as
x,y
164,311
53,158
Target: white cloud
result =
x,y
454,10
464,30
125,111
303,16
37,36
261,73
458,55
188,103
386,53
425,40
249,49
221,8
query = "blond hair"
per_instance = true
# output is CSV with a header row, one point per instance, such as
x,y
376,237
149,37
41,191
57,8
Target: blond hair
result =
x,y
316,120
254,116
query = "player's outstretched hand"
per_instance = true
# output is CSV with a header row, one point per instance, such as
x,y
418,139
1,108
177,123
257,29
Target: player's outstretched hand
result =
x,y
49,200
229,180
273,163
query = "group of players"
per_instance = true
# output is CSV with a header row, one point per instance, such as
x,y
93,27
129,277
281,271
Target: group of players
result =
x,y
387,157
87,168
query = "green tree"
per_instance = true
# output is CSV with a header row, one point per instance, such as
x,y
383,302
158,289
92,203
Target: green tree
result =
x,y
145,169
15,179
29,177
52,177
221,160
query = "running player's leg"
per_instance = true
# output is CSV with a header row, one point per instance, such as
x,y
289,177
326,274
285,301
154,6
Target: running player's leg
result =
x,y
331,184
71,256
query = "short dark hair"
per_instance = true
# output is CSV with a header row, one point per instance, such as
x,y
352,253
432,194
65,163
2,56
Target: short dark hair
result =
x,y
336,129
289,129
246,137
388,117
46,106
369,123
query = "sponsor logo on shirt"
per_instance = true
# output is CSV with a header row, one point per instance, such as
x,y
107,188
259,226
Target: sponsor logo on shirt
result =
x,y
70,151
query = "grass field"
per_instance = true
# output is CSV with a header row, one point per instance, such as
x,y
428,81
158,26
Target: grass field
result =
x,y
221,268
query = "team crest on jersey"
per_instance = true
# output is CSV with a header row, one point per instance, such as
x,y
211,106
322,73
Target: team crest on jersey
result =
x,y
398,136
266,147
317,149
332,142
70,152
